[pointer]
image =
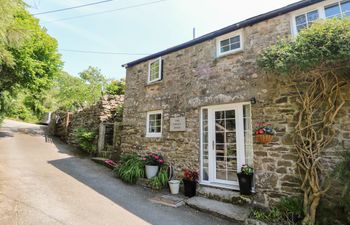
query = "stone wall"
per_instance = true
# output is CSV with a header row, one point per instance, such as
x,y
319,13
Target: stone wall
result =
x,y
104,111
194,77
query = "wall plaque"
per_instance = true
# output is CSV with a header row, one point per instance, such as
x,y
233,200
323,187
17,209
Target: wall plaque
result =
x,y
178,124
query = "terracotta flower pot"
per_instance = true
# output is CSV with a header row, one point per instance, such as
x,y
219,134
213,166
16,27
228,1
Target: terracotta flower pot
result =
x,y
264,138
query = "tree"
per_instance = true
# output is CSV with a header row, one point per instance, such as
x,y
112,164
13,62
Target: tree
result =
x,y
318,61
116,87
96,81
28,55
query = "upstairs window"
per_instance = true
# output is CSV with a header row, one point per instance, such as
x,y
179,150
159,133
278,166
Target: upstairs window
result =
x,y
229,44
155,70
339,9
154,124
305,20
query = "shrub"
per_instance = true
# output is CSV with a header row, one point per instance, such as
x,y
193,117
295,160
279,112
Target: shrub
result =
x,y
131,168
85,139
161,180
287,211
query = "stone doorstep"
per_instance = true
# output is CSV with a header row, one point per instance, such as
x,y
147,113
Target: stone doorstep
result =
x,y
169,200
221,209
224,195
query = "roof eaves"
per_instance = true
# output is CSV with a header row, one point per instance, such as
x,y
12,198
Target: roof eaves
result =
x,y
248,22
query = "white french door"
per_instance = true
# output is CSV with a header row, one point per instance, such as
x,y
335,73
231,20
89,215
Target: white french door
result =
x,y
222,144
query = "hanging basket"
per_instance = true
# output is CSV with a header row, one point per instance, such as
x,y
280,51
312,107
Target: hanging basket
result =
x,y
263,138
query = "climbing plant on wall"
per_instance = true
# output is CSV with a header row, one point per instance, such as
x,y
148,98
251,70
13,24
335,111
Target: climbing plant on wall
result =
x,y
317,61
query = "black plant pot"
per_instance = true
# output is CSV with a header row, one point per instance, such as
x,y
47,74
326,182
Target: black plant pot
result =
x,y
245,183
190,188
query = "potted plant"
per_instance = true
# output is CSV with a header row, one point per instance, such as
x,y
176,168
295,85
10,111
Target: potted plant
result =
x,y
190,179
264,133
245,178
152,162
174,186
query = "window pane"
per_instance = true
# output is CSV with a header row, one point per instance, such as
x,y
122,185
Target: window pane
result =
x,y
300,27
224,43
312,16
332,11
345,7
235,39
154,71
225,49
235,46
300,20
155,123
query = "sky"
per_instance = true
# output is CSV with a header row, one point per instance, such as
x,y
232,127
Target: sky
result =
x,y
152,26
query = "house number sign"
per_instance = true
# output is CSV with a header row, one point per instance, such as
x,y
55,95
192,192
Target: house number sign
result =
x,y
178,124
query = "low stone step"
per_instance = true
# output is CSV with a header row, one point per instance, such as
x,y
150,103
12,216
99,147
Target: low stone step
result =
x,y
221,209
224,195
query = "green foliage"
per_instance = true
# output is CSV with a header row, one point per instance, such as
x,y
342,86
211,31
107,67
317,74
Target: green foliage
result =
x,y
161,180
116,87
343,176
287,211
247,170
85,139
95,80
28,62
130,168
326,42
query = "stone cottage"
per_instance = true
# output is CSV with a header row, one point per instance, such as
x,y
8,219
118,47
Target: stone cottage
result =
x,y
198,103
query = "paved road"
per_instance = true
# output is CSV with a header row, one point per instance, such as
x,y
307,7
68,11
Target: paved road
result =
x,y
43,181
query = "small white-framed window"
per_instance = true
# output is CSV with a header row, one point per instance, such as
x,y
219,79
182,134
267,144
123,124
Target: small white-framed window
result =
x,y
305,20
228,44
155,70
154,124
338,9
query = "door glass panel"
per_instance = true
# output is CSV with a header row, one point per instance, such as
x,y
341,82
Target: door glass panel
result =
x,y
225,147
205,153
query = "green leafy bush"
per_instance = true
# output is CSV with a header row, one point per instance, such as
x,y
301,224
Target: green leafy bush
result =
x,y
161,180
287,211
343,176
131,168
85,139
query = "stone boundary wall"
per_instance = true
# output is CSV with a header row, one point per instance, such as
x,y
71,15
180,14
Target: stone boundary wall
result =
x,y
103,111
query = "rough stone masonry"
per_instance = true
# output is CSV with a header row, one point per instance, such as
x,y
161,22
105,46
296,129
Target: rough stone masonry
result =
x,y
194,77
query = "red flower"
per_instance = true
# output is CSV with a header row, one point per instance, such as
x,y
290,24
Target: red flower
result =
x,y
161,161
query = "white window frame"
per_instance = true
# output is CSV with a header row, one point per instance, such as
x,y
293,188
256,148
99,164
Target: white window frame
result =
x,y
159,72
228,36
320,7
155,134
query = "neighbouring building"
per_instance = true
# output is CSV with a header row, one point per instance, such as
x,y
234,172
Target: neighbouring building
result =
x,y
198,103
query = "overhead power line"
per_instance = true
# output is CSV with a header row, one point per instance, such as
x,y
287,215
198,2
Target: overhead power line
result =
x,y
106,11
101,52
73,7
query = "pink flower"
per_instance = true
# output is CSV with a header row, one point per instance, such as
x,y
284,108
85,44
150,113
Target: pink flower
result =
x,y
161,161
156,157
144,159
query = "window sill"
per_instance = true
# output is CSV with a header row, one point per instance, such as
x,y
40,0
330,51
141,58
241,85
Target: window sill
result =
x,y
157,135
153,83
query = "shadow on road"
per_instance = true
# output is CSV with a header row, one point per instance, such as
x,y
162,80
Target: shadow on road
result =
x,y
133,198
